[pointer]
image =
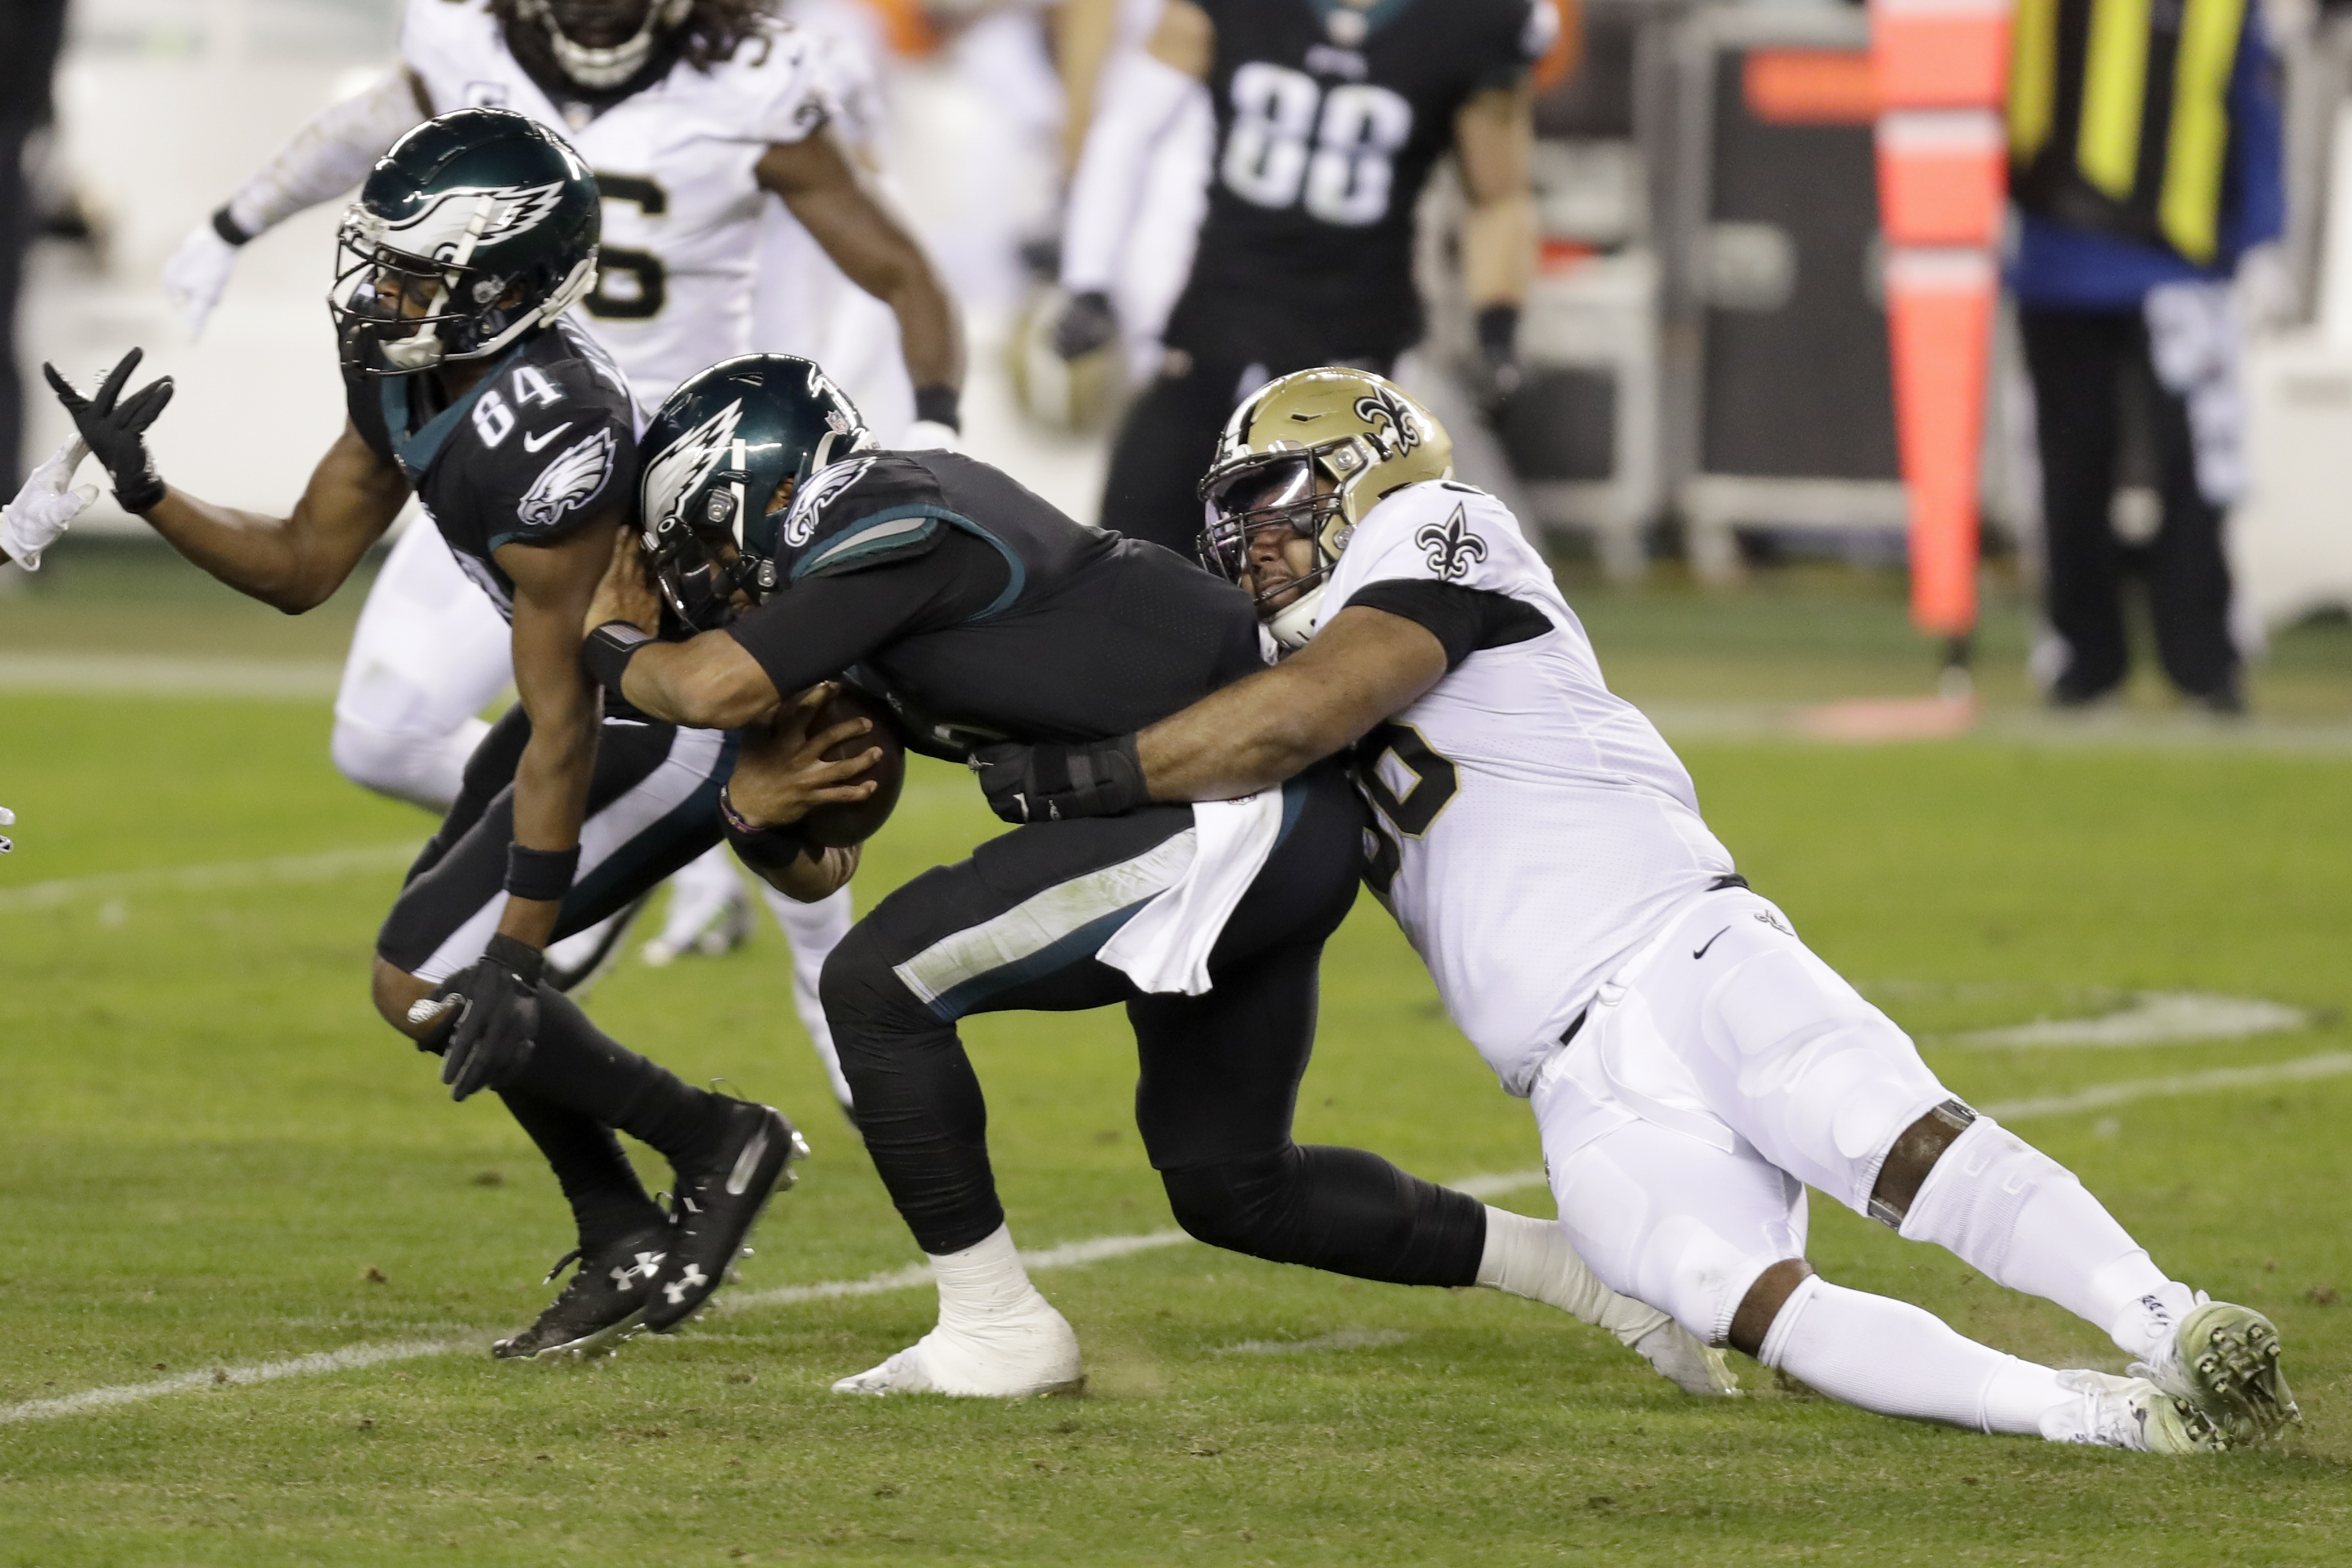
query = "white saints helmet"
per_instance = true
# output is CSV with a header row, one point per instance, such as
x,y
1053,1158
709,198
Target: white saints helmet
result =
x,y
1350,428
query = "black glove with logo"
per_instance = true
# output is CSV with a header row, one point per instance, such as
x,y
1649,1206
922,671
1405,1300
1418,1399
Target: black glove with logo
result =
x,y
116,430
1048,783
1087,323
498,1023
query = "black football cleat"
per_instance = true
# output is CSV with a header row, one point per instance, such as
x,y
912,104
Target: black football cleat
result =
x,y
603,1302
716,1209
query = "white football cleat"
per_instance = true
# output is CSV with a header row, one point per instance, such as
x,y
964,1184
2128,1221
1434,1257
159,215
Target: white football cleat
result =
x,y
2129,1413
2224,1359
1676,1355
1020,1354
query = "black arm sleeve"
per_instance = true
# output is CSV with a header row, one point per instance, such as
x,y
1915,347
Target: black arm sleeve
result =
x,y
1463,619
820,626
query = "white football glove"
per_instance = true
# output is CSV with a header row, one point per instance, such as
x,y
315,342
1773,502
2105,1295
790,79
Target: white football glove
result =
x,y
45,506
930,435
198,274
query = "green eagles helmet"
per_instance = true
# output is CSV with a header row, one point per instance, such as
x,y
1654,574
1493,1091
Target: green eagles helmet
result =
x,y
477,226
721,463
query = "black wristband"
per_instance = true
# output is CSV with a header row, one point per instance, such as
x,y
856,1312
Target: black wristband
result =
x,y
544,874
1498,331
517,955
228,228
606,653
940,405
762,849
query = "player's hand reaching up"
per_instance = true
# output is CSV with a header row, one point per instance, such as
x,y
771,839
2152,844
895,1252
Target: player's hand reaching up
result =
x,y
45,507
198,274
116,428
627,592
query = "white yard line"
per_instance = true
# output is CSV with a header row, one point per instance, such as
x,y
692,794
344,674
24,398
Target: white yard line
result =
x,y
282,869
1075,1254
130,674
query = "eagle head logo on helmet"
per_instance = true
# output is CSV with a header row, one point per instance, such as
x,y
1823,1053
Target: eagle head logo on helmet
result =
x,y
477,226
726,461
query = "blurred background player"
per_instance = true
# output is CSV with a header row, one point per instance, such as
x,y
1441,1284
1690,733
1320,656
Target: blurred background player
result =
x,y
2147,164
30,33
1330,117
687,111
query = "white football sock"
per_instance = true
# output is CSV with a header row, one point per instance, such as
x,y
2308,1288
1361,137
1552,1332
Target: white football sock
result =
x,y
815,930
1532,1258
2022,1219
1892,1357
699,889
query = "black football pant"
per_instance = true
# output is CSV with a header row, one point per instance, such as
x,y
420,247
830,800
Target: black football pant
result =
x,y
2080,361
652,806
1017,927
1167,440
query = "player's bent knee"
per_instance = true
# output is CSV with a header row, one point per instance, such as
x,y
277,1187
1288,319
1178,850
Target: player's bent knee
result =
x,y
865,1002
1233,1204
394,990
1972,1199
402,764
1760,1306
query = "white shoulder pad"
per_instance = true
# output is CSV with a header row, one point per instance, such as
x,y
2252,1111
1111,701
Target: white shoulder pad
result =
x,y
450,44
780,83
1438,531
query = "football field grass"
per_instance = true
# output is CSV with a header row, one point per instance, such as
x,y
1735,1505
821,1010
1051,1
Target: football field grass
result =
x,y
215,1164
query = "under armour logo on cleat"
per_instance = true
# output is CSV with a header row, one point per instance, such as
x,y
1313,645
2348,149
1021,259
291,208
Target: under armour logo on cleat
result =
x,y
676,1289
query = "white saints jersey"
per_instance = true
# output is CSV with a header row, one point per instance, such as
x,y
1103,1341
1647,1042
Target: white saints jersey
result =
x,y
682,212
1530,828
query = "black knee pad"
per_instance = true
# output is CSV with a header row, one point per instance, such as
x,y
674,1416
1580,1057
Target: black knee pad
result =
x,y
1341,1209
1237,1203
865,1000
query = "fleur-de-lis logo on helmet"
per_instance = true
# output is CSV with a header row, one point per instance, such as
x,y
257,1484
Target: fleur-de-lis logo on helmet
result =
x,y
1394,429
1453,547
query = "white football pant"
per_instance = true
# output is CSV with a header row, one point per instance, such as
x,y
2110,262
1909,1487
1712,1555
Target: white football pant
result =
x,y
1724,1069
430,653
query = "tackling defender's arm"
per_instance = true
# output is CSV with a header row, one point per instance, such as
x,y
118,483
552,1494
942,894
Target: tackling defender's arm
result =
x,y
1360,669
842,211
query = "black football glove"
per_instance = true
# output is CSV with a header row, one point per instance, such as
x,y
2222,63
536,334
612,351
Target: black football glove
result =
x,y
498,1021
1087,323
1047,783
116,430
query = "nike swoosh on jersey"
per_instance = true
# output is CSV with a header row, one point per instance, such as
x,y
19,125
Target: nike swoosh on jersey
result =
x,y
1710,941
745,1164
539,443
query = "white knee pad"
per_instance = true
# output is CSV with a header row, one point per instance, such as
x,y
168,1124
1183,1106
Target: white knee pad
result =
x,y
427,769
1972,1200
1674,1222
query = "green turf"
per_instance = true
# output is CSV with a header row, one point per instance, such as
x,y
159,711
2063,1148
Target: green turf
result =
x,y
213,1156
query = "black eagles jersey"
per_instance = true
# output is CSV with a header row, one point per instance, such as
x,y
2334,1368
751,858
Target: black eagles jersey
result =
x,y
1330,117
544,442
984,612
